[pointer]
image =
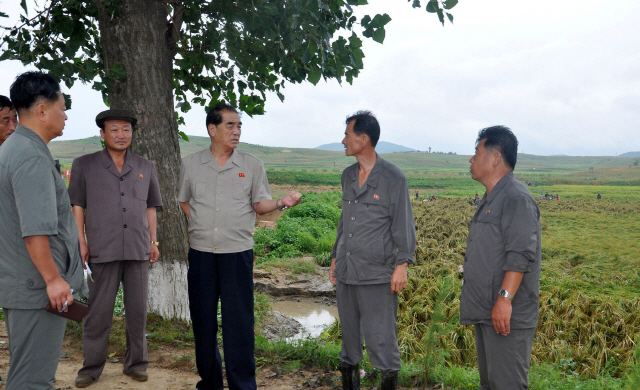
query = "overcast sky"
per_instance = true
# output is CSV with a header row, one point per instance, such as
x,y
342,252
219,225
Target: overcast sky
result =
x,y
564,75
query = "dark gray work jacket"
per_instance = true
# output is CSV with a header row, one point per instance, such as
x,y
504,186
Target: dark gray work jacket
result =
x,y
34,202
376,231
504,236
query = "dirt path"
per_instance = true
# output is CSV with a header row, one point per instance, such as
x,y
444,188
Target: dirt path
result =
x,y
169,368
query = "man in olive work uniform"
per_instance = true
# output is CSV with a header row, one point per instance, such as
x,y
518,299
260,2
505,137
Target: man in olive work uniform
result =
x,y
221,190
39,254
501,283
375,241
114,194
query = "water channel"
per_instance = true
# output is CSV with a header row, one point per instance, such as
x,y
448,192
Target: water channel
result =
x,y
314,317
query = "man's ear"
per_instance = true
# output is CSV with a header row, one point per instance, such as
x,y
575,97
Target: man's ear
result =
x,y
497,158
211,129
41,111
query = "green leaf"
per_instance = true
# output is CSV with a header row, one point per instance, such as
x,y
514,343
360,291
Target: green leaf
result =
x,y
314,76
432,6
378,35
416,4
384,19
183,135
306,57
441,16
448,4
450,17
67,100
23,4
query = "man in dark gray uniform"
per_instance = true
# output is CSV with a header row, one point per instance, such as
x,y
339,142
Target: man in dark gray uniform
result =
x,y
502,265
114,194
39,253
375,242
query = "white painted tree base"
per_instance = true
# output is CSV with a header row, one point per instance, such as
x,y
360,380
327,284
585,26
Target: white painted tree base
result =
x,y
168,294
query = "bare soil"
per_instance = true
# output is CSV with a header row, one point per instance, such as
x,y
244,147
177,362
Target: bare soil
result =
x,y
169,368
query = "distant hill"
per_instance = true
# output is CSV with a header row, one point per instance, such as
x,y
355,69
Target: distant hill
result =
x,y
381,147
630,154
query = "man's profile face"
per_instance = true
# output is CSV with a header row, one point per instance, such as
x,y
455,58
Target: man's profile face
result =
x,y
227,133
8,123
481,162
353,143
55,115
117,134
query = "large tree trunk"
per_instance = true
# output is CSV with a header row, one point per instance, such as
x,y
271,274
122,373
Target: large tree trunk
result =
x,y
137,38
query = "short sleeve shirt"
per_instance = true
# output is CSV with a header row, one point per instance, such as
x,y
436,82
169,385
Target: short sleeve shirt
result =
x,y
33,202
115,204
221,200
504,236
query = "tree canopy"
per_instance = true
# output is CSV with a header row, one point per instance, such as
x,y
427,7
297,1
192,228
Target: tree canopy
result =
x,y
230,50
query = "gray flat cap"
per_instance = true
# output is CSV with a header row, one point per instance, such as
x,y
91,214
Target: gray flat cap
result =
x,y
124,115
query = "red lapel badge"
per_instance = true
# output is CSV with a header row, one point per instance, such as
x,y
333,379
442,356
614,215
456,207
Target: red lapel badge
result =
x,y
240,174
141,175
488,211
376,197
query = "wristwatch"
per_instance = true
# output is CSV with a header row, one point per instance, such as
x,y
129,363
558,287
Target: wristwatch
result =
x,y
505,294
278,205
156,243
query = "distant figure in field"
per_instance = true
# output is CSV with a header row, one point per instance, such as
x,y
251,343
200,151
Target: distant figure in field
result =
x,y
433,198
541,197
599,196
557,196
500,291
477,199
417,195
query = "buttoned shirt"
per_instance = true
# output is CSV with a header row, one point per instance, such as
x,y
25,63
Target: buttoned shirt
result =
x,y
376,231
115,204
33,202
221,200
504,236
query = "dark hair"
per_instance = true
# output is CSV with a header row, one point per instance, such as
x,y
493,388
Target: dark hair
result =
x,y
365,123
31,86
214,116
5,102
501,139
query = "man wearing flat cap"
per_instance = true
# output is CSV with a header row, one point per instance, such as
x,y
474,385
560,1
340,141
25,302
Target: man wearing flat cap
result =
x,y
114,194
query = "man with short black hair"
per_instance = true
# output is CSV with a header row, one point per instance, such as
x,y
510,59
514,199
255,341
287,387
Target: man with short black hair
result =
x,y
374,243
39,253
8,122
221,191
501,283
114,194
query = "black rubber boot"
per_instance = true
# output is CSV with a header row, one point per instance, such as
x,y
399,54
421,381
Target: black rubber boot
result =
x,y
389,382
350,376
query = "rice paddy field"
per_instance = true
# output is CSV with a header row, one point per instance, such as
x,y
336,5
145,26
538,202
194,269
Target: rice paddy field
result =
x,y
590,298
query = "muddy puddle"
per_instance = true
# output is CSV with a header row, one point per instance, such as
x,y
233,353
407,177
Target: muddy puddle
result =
x,y
314,317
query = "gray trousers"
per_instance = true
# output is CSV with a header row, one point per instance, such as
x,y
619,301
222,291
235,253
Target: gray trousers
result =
x,y
35,343
368,313
503,361
97,324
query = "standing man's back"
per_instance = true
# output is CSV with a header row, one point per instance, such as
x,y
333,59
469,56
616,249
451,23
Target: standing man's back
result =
x,y
39,254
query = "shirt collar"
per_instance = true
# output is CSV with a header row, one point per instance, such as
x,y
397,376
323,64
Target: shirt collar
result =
x,y
499,186
35,138
108,163
372,179
207,158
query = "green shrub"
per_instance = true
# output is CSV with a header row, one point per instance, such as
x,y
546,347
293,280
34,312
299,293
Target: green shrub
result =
x,y
316,211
